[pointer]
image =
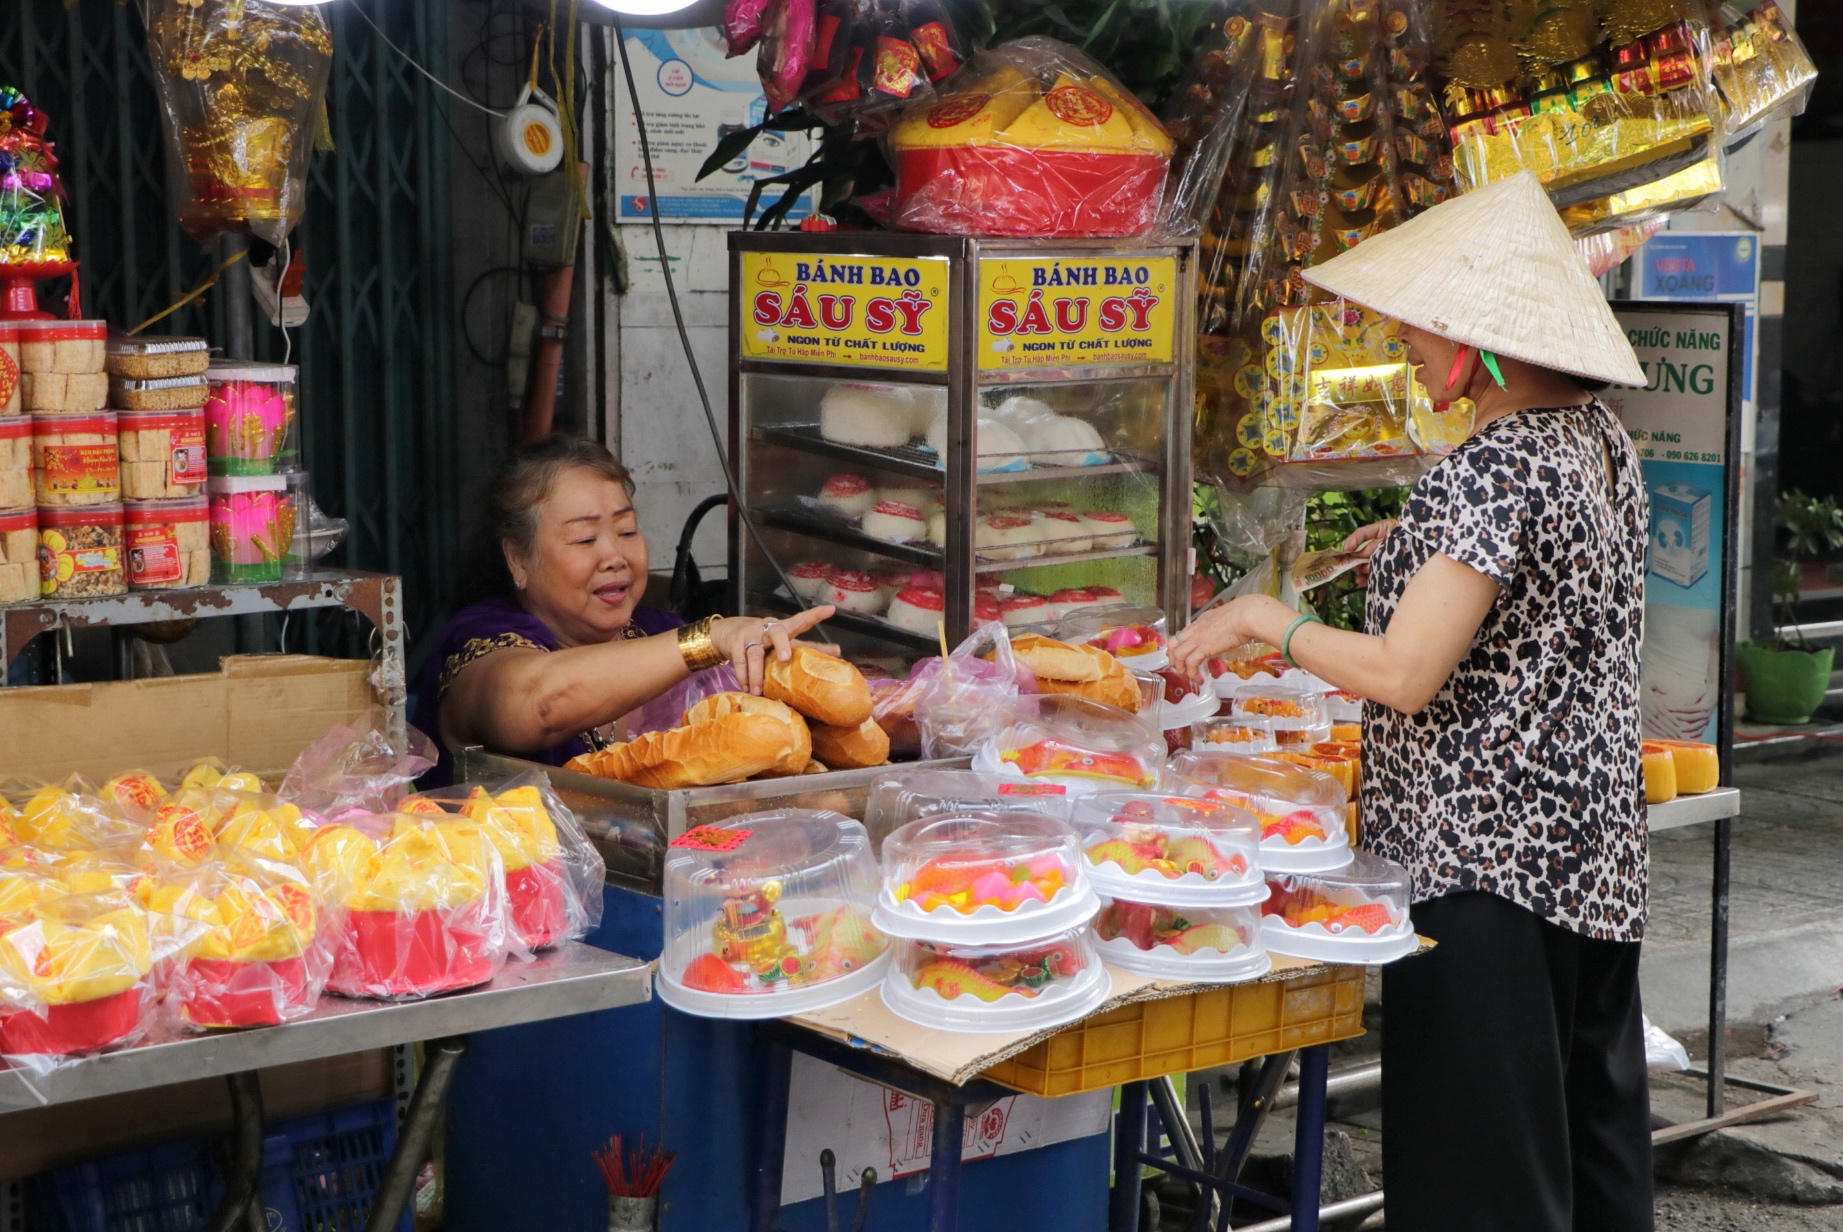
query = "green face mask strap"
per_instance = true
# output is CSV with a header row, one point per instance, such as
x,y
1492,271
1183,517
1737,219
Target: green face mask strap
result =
x,y
1491,367
1490,360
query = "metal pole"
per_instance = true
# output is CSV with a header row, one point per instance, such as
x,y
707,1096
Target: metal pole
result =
x,y
245,1152
1309,1137
944,1167
1718,970
414,1134
1128,1142
777,1086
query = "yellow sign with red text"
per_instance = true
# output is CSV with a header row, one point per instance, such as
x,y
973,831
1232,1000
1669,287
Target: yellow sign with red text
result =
x,y
872,312
1062,312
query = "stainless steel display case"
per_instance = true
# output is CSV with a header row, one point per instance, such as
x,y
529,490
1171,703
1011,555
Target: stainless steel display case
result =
x,y
1140,402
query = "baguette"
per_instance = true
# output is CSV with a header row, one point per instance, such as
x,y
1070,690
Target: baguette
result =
x,y
718,705
1054,660
724,750
818,685
851,748
1115,689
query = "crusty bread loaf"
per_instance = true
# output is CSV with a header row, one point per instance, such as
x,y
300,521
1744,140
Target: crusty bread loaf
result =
x,y
851,748
818,685
723,750
718,705
1116,688
1054,660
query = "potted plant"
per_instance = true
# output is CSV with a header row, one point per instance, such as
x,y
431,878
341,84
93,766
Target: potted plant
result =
x,y
1785,678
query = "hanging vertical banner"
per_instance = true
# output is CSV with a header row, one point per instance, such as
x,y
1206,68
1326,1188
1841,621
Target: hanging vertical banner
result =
x,y
1685,426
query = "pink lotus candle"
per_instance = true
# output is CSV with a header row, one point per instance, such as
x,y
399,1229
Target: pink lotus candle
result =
x,y
247,417
250,529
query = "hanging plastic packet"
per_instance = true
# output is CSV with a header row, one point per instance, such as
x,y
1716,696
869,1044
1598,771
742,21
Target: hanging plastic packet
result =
x,y
834,38
891,73
937,40
742,25
1760,67
966,699
786,51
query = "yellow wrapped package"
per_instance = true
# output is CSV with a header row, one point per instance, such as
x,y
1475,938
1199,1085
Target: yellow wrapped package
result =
x,y
424,900
73,974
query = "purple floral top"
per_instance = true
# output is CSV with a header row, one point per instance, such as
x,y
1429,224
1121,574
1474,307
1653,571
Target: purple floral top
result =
x,y
497,624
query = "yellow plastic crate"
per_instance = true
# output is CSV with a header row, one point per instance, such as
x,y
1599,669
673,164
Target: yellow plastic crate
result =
x,y
1218,1026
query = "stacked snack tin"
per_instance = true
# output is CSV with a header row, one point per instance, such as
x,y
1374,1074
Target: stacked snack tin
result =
x,y
18,514
157,389
1181,885
990,912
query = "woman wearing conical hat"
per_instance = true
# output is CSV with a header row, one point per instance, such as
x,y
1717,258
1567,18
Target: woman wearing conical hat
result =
x,y
1501,731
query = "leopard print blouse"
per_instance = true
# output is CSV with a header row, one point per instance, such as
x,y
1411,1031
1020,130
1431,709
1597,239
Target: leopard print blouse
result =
x,y
1522,777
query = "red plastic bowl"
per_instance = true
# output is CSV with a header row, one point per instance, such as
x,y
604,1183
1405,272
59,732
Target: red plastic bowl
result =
x,y
222,993
65,1030
1004,190
539,915
413,953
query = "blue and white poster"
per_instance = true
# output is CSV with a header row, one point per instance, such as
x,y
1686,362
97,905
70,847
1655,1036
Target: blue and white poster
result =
x,y
691,96
1681,426
1711,267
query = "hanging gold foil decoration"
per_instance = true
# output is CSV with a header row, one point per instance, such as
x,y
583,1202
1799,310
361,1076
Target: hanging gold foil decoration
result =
x,y
1562,31
242,82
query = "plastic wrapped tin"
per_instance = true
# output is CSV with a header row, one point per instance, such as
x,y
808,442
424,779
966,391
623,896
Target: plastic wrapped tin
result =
x,y
143,359
18,555
769,915
252,524
166,393
1356,914
1176,850
16,462
167,543
1004,878
162,453
1302,812
247,416
1213,944
76,460
10,402
975,986
80,552
74,347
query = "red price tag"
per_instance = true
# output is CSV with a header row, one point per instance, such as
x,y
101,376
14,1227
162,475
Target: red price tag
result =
x,y
1032,789
711,838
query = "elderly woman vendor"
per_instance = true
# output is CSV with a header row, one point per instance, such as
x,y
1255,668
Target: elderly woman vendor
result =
x,y
1501,759
546,668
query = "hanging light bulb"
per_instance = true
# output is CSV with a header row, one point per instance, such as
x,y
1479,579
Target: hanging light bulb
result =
x,y
645,8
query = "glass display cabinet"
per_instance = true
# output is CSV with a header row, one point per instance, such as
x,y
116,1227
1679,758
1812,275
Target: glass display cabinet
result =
x,y
932,431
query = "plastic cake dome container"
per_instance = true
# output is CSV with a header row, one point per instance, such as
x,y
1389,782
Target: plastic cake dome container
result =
x,y
1302,812
1233,733
1002,878
998,986
1296,713
902,796
1356,914
1134,635
1170,703
1218,945
1082,745
1173,850
769,915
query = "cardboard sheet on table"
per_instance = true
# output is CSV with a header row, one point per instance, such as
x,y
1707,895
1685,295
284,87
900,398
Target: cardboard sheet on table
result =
x,y
960,1056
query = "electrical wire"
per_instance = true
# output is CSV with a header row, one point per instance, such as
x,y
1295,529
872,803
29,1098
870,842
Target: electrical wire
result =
x,y
684,336
408,59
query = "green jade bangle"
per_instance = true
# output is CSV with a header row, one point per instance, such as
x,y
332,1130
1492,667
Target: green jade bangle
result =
x,y
1286,640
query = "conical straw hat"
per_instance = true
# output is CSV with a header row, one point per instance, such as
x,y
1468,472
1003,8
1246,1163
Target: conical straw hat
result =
x,y
1494,269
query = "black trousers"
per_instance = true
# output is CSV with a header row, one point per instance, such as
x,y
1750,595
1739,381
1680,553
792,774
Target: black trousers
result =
x,y
1514,1096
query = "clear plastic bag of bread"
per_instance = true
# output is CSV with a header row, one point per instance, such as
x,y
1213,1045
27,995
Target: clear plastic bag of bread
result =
x,y
265,939
364,767
965,699
668,709
553,871
1077,668
1081,745
422,899
1031,138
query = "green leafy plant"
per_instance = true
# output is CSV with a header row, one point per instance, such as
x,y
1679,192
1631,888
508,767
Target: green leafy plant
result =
x,y
1330,518
1812,527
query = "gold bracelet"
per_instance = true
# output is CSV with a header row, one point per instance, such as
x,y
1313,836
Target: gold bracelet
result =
x,y
696,647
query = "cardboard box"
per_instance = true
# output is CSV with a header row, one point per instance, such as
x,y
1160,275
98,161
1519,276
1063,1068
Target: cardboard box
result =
x,y
1680,515
256,713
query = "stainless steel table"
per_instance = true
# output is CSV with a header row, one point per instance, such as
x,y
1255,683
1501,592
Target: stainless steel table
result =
x,y
573,979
